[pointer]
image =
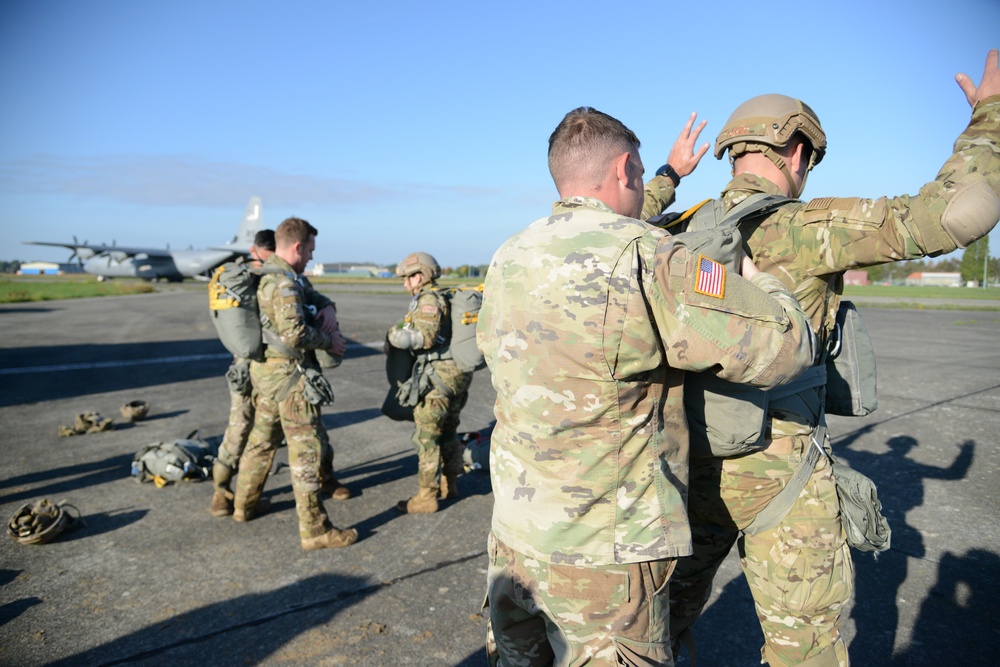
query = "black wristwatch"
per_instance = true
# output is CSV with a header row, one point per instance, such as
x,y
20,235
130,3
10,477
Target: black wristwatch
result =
x,y
668,171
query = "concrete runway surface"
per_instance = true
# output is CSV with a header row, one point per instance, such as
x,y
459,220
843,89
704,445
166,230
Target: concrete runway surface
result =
x,y
153,579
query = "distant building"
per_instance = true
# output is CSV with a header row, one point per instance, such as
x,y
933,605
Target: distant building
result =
x,y
856,277
47,269
347,269
931,279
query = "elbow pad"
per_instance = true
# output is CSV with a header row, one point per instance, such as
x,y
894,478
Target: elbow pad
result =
x,y
971,213
406,339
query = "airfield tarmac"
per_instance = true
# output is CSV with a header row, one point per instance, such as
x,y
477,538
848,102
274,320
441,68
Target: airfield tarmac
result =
x,y
153,579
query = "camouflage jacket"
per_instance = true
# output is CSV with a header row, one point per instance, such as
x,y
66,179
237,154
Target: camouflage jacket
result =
x,y
809,245
282,299
588,322
660,194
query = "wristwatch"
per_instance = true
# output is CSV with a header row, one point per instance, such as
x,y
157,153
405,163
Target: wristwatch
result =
x,y
668,171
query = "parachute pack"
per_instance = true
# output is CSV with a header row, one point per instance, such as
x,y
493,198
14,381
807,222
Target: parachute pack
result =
x,y
728,419
465,304
165,462
232,303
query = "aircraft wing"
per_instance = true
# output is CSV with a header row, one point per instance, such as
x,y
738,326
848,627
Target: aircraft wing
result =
x,y
84,250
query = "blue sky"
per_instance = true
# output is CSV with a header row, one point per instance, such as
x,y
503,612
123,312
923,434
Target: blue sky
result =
x,y
402,126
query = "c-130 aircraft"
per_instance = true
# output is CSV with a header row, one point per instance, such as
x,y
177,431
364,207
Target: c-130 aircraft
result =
x,y
113,261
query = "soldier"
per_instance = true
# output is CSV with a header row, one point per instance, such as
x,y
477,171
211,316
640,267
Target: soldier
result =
x,y
241,408
290,389
590,319
426,331
800,571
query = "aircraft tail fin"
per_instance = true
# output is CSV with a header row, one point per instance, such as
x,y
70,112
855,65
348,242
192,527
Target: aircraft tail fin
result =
x,y
253,222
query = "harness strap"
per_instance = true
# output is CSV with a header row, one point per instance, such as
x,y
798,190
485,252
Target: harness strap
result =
x,y
782,503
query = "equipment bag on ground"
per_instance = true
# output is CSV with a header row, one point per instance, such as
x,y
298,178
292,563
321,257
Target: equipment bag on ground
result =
x,y
164,462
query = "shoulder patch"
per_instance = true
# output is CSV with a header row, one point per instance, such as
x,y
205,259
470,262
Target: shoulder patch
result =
x,y
710,279
428,309
820,204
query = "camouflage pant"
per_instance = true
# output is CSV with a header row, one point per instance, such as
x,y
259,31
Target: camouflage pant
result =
x,y
304,433
241,412
550,614
435,438
800,572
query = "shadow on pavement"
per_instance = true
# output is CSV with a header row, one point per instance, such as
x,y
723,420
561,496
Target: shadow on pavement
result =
x,y
240,630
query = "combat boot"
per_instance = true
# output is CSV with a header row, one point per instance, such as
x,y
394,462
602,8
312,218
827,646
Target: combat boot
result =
x,y
335,489
425,502
449,488
222,498
251,512
333,539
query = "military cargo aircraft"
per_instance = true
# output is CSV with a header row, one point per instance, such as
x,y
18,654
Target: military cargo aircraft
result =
x,y
114,261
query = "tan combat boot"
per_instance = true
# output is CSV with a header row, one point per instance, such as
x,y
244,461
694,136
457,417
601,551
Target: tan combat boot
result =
x,y
251,512
449,488
222,498
425,502
334,539
335,489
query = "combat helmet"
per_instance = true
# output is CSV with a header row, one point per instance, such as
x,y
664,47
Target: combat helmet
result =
x,y
766,122
419,262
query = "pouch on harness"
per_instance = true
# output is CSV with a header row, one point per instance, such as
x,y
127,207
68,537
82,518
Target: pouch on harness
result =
x,y
164,462
411,375
232,303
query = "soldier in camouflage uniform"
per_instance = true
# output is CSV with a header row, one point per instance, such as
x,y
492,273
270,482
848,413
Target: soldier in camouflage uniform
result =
x,y
283,397
589,322
426,329
241,408
800,571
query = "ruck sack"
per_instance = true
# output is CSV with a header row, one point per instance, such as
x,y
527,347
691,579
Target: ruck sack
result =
x,y
464,305
164,462
232,303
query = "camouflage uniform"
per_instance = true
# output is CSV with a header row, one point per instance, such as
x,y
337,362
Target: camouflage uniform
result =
x,y
241,411
589,321
436,416
281,405
800,572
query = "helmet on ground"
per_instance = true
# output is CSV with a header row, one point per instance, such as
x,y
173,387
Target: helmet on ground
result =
x,y
419,262
771,120
40,522
134,410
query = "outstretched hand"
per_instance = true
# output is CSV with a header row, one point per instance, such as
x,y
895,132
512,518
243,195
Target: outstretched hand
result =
x,y
683,157
990,85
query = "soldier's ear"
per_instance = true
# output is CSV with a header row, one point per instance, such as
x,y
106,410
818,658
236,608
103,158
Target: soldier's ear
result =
x,y
621,165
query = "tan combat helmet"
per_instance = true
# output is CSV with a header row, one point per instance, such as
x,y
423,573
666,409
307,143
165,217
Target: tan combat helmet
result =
x,y
770,121
419,262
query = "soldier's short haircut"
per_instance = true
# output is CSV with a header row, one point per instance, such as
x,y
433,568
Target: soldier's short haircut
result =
x,y
264,239
294,230
584,143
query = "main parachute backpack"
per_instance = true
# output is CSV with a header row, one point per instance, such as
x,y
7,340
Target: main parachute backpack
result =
x,y
232,303
465,304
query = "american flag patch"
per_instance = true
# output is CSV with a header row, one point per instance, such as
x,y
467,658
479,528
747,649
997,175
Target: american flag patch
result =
x,y
711,278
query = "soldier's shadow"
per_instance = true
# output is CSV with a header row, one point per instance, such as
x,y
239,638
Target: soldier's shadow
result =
x,y
957,621
900,482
